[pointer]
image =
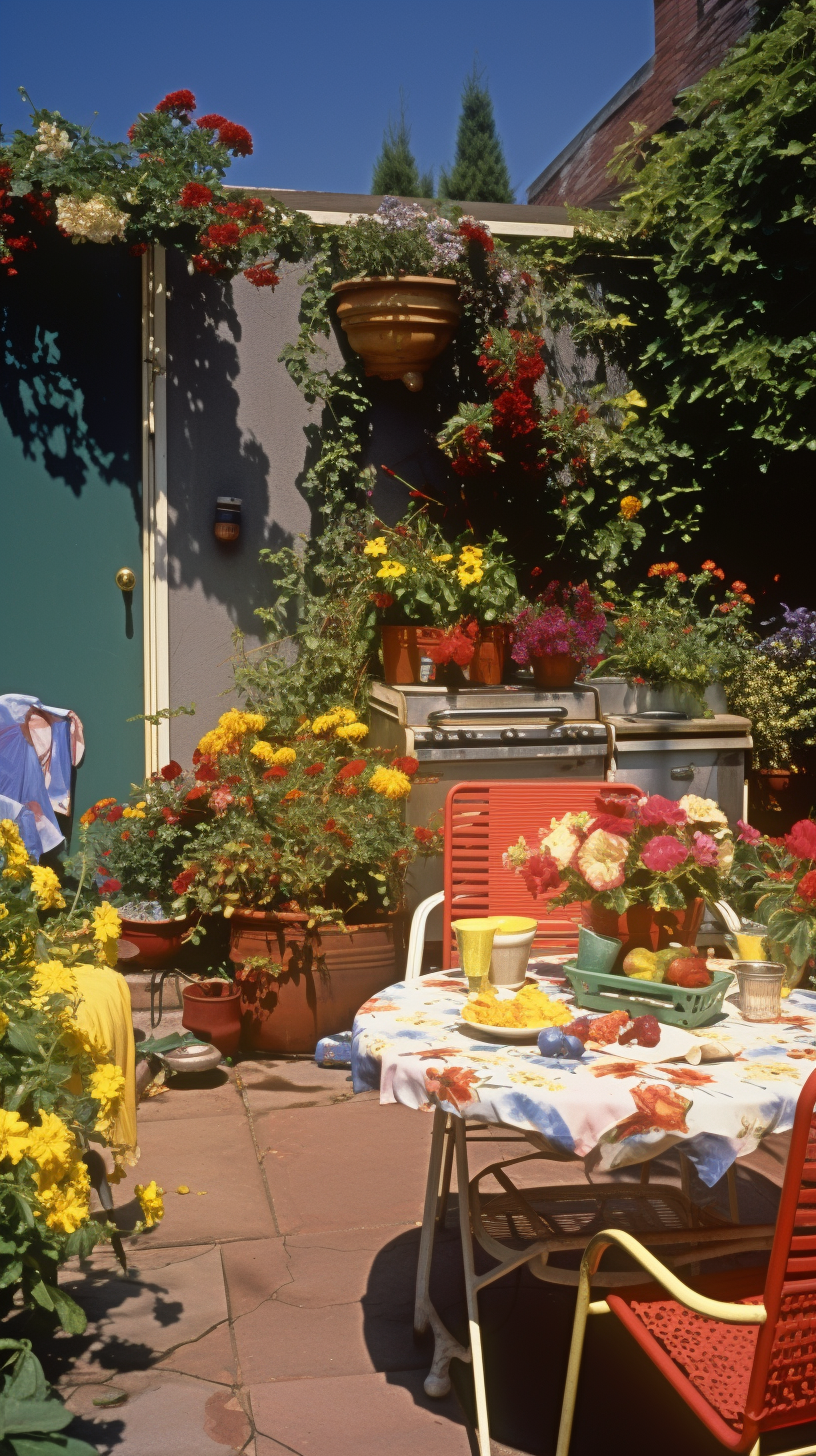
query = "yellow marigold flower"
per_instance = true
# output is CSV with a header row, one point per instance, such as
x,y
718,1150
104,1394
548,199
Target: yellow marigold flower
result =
x,y
392,783
52,978
13,1136
4,1021
352,732
634,400
107,929
630,506
329,720
288,755
467,577
52,1146
446,556
376,547
263,750
14,851
150,1197
232,726
391,569
107,1085
46,887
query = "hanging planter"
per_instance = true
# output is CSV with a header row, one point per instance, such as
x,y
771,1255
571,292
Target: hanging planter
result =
x,y
398,326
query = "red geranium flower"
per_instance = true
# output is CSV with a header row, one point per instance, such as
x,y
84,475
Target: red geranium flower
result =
x,y
195,792
352,769
802,839
104,872
110,886
195,194
212,121
313,769
277,771
206,773
292,794
407,765
206,265
381,600
183,881
663,853
169,817
235,138
222,235
476,234
806,889
171,770
115,813
262,275
422,835
657,810
178,101
220,799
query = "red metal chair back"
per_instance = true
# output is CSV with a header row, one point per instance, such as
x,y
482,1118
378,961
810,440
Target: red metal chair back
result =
x,y
482,820
782,1391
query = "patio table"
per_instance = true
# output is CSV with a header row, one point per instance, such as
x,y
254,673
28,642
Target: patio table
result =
x,y
410,1043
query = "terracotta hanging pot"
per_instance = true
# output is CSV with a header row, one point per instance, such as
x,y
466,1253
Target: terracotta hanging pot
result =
x,y
212,1009
555,670
643,927
776,779
326,976
398,326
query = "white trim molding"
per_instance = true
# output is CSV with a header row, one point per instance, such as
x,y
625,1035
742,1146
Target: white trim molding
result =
x,y
154,507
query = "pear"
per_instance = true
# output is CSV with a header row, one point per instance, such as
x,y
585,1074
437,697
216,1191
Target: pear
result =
x,y
642,965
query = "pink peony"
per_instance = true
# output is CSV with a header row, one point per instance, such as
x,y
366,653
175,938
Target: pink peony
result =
x,y
802,839
747,833
657,810
663,853
705,849
601,859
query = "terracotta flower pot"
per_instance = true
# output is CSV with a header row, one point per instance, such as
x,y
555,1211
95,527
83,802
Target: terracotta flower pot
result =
x,y
402,648
212,1009
555,670
398,325
643,927
157,941
326,976
777,779
487,663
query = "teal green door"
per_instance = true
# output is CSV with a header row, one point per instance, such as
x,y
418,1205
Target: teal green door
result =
x,y
70,499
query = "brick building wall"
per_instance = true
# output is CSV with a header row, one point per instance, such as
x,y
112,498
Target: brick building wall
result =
x,y
691,36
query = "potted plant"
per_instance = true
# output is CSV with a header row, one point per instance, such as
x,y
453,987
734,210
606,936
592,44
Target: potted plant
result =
x,y
640,867
773,881
136,850
305,855
402,272
775,686
675,645
559,634
444,601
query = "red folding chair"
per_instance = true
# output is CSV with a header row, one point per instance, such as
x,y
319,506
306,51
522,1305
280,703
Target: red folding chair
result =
x,y
739,1347
482,820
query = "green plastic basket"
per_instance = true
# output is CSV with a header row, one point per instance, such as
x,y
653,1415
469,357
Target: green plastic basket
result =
x,y
674,1005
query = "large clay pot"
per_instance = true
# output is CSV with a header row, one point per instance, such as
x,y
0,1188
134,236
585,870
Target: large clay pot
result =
x,y
212,1009
555,670
398,325
402,649
487,663
327,974
157,941
644,927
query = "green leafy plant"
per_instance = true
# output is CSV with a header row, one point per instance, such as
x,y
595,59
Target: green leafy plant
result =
x,y
774,882
132,851
32,1418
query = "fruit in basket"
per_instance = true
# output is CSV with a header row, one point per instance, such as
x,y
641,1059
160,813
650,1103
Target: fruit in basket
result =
x,y
689,972
554,1041
643,965
644,1031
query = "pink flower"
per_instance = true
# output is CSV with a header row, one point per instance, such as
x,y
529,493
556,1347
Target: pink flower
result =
x,y
704,849
802,839
747,833
601,859
657,810
663,853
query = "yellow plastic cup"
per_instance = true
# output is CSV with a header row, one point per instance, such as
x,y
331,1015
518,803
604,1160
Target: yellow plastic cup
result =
x,y
474,939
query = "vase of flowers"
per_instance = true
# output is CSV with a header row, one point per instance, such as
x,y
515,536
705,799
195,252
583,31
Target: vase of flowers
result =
x,y
773,881
559,634
304,854
641,868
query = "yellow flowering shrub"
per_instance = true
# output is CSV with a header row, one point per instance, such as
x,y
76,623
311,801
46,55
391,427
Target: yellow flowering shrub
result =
x,y
232,727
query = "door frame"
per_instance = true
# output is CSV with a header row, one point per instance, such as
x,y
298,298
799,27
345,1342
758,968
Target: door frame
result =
x,y
154,508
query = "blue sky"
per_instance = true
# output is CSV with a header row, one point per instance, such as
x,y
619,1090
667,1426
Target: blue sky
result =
x,y
315,80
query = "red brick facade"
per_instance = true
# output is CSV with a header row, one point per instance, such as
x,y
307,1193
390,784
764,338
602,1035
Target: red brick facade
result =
x,y
691,36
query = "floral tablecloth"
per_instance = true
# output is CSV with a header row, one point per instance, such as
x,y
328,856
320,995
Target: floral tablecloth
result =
x,y
409,1042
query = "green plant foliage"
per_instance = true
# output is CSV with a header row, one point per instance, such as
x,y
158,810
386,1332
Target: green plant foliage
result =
x,y
395,170
32,1417
479,172
780,700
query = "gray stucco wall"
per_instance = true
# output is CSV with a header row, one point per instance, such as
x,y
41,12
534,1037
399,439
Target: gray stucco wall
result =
x,y
235,427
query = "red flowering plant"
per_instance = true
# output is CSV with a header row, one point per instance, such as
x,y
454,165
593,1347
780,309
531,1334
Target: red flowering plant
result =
x,y
685,631
563,620
630,851
134,850
773,882
165,185
309,822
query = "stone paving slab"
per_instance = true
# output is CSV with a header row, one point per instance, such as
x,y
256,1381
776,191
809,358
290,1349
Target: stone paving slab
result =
x,y
171,1417
357,1415
277,1084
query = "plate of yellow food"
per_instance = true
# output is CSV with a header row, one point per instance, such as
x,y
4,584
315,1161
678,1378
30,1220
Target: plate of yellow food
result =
x,y
514,1017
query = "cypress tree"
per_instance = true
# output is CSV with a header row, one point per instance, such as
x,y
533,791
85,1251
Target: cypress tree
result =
x,y
479,172
395,170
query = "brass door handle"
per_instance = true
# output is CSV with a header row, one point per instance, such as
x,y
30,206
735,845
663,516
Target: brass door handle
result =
x,y
125,579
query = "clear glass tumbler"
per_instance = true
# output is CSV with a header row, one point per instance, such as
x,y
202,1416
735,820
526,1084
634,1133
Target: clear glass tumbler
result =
x,y
760,984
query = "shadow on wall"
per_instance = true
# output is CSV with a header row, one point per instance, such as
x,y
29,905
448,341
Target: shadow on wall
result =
x,y
211,454
62,320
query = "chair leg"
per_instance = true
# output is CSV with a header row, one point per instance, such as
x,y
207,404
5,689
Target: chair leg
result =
x,y
574,1366
426,1241
463,1184
447,1168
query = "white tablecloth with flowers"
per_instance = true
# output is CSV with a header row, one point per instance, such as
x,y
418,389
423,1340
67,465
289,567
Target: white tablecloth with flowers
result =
x,y
409,1042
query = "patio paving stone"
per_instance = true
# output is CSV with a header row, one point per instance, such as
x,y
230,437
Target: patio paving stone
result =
x,y
255,1271
178,1416
357,1415
276,1084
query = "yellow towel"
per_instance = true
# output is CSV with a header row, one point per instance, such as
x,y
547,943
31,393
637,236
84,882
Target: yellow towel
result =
x,y
104,1013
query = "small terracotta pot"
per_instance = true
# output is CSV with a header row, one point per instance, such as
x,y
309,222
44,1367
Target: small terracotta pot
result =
x,y
487,663
327,974
212,1009
643,927
157,941
402,648
398,325
777,779
555,670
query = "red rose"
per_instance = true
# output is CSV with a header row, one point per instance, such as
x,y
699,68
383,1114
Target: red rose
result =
x,y
802,839
171,770
176,101
663,853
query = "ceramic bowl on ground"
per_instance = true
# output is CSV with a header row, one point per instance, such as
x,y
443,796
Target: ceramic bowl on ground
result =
x,y
199,1058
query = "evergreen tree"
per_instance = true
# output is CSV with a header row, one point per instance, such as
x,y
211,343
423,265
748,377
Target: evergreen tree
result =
x,y
395,170
479,173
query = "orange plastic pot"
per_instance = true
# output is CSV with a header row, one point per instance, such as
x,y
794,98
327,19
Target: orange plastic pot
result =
x,y
212,1009
644,928
555,670
326,975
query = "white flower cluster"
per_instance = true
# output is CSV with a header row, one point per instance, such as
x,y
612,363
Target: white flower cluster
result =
x,y
396,215
54,142
447,245
96,220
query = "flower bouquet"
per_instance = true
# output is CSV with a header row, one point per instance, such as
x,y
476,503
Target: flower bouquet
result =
x,y
559,634
640,867
773,881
